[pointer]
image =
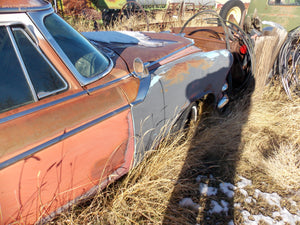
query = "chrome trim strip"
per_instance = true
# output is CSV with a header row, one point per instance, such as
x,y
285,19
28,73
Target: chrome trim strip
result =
x,y
35,109
26,9
59,138
17,51
107,84
143,90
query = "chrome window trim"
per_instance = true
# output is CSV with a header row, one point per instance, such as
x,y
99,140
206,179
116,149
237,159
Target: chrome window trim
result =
x,y
40,107
15,46
39,96
38,19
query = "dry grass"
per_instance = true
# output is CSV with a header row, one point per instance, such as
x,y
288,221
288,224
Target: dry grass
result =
x,y
257,138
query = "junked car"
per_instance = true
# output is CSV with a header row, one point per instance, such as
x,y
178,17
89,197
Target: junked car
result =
x,y
77,112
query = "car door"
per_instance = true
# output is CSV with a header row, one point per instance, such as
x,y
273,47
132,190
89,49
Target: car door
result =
x,y
57,140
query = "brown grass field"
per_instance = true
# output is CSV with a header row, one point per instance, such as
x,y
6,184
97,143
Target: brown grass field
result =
x,y
258,138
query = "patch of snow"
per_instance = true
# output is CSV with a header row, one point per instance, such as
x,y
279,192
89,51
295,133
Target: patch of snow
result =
x,y
206,190
244,182
286,216
243,192
200,177
188,203
225,206
237,205
272,199
248,200
217,208
293,203
227,189
211,177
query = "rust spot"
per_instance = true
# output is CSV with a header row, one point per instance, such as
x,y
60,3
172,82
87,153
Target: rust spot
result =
x,y
179,72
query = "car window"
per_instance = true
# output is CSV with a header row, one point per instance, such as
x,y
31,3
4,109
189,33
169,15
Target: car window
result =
x,y
14,87
44,78
284,2
88,61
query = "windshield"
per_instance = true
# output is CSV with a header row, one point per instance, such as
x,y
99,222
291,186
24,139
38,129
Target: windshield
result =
x,y
88,61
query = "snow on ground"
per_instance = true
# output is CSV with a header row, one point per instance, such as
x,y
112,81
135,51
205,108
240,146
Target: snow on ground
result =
x,y
280,216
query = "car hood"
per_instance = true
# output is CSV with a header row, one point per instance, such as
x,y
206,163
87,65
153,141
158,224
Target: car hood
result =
x,y
149,46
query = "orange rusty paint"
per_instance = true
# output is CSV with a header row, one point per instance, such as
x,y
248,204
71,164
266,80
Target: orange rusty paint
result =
x,y
53,177
205,38
185,52
22,3
36,127
180,71
155,53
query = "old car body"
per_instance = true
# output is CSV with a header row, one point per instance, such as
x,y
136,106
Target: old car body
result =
x,y
283,12
75,115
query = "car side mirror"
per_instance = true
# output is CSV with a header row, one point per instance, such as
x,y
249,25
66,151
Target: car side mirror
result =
x,y
140,70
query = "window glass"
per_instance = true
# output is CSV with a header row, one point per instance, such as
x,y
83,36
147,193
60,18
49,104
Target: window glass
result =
x,y
43,77
88,61
284,2
14,88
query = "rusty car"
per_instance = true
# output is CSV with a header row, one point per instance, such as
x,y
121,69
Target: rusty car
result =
x,y
78,110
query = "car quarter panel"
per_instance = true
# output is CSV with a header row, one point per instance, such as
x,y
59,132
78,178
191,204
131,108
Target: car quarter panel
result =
x,y
190,78
178,80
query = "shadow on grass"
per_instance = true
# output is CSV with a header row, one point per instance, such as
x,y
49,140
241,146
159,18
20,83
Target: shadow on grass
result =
x,y
211,161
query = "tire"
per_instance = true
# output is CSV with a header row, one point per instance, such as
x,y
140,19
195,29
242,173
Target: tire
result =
x,y
186,118
233,8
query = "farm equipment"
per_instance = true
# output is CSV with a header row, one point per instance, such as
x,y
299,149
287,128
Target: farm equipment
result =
x,y
285,24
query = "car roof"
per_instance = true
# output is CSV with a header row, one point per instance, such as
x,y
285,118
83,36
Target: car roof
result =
x,y
23,5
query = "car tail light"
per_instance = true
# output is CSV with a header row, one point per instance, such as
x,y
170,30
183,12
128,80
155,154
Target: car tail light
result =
x,y
243,49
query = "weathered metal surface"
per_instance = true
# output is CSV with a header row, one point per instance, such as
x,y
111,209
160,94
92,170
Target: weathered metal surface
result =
x,y
286,15
22,3
197,75
50,179
174,85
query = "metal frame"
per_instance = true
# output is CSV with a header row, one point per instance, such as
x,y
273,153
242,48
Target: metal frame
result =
x,y
48,62
38,19
17,51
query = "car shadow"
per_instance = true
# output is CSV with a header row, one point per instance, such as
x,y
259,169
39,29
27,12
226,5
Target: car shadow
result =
x,y
211,162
